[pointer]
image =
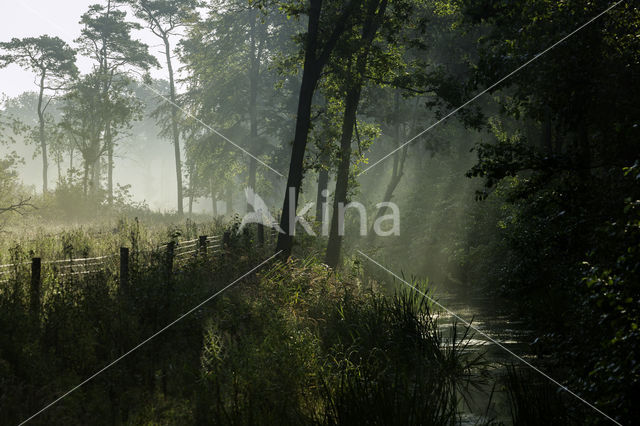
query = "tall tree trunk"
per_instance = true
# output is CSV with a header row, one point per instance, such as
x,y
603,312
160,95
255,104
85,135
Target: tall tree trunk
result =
x,y
214,201
92,161
547,135
398,171
323,175
253,164
323,185
254,78
108,140
375,12
303,123
584,152
399,159
85,180
174,124
191,190
95,177
310,76
342,179
42,136
314,62
229,200
59,165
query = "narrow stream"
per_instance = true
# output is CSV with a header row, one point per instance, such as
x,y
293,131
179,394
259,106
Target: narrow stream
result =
x,y
490,402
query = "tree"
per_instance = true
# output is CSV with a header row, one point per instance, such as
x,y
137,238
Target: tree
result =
x,y
164,18
231,56
12,199
400,131
83,121
325,133
106,38
327,22
59,145
53,61
566,132
239,33
372,20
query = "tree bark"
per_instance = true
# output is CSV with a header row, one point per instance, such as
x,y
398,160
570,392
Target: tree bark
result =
x,y
323,185
59,160
254,76
584,152
323,175
214,201
314,62
399,159
396,177
174,124
229,200
342,179
42,136
95,177
547,135
108,140
191,190
85,180
310,76
376,11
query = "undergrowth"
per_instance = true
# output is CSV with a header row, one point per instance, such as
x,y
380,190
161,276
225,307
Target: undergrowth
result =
x,y
294,343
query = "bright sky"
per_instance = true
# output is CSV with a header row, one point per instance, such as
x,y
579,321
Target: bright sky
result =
x,y
32,18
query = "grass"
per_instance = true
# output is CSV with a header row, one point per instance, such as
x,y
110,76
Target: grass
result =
x,y
293,344
65,241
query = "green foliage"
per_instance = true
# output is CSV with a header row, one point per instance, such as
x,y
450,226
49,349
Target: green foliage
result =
x,y
556,231
566,214
229,56
50,57
13,197
106,38
295,344
613,291
53,61
328,351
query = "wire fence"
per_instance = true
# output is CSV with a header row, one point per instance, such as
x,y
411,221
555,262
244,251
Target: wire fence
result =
x,y
174,255
179,253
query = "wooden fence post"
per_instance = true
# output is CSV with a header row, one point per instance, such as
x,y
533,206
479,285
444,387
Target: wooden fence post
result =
x,y
34,299
226,239
124,269
171,247
260,235
202,244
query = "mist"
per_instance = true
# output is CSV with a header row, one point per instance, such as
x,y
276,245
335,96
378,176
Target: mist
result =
x,y
319,212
